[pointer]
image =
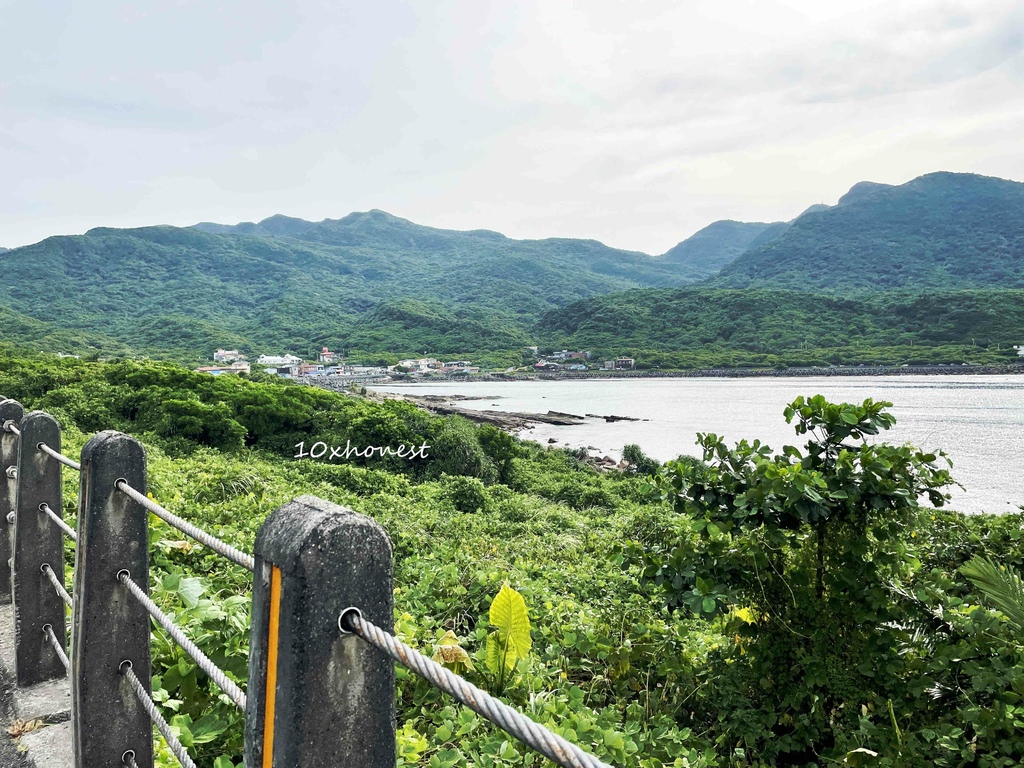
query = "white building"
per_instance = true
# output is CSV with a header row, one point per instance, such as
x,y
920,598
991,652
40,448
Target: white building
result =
x,y
421,365
278,361
227,355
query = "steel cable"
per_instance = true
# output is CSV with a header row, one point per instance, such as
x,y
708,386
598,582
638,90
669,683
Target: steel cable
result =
x,y
221,548
59,521
530,732
11,427
12,473
216,674
156,717
45,568
59,456
48,630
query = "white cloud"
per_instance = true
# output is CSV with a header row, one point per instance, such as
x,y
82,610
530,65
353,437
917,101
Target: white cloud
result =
x,y
634,123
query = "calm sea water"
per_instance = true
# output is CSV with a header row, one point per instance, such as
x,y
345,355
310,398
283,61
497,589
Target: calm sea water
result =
x,y
977,420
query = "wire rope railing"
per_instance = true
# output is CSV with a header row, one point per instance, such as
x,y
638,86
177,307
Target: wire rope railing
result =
x,y
530,732
58,521
154,714
216,674
48,571
112,537
59,457
55,644
212,542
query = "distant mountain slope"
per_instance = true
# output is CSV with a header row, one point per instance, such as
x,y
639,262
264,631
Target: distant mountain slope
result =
x,y
943,230
772,320
720,243
182,292
274,226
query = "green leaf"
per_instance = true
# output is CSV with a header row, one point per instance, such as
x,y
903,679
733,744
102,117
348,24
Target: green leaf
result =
x,y
509,615
190,590
1001,587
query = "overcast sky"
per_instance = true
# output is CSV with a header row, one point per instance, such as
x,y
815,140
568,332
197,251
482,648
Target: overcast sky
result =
x,y
635,123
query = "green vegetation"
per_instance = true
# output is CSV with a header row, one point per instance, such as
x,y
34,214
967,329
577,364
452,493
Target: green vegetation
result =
x,y
751,609
376,287
181,293
698,328
941,230
720,243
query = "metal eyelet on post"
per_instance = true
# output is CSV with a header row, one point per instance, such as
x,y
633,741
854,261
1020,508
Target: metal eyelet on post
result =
x,y
341,619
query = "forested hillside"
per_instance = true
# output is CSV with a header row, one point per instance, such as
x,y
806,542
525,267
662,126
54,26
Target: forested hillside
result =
x,y
942,230
373,285
720,243
721,322
167,291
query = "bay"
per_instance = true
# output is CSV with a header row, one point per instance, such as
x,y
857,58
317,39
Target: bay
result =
x,y
977,420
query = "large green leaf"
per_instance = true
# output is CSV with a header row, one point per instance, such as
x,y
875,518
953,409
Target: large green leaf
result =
x,y
512,640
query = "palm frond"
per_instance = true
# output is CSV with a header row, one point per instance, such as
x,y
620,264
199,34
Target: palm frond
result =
x,y
1001,587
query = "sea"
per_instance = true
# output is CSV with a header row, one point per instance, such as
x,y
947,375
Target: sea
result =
x,y
977,420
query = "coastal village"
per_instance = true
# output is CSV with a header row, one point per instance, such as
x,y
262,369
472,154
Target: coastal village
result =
x,y
330,364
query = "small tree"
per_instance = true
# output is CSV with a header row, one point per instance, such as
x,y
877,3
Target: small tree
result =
x,y
800,546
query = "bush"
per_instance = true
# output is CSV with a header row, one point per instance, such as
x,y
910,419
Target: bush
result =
x,y
639,462
456,451
466,494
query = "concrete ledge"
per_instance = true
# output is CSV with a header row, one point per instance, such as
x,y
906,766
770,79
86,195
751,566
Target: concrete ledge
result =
x,y
49,747
49,744
49,702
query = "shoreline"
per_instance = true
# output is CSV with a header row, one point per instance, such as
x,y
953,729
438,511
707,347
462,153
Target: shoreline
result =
x,y
723,373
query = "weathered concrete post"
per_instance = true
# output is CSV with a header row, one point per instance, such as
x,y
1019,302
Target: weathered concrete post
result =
x,y
10,410
109,626
318,698
37,543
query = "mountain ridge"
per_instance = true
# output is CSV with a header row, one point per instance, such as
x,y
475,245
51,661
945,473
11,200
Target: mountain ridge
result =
x,y
942,229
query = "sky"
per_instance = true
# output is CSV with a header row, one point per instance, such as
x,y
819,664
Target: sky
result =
x,y
634,123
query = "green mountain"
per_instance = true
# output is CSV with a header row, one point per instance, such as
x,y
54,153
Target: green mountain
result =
x,y
720,243
274,226
942,230
767,321
295,285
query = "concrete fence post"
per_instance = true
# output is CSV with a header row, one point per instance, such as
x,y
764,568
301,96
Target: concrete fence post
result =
x,y
10,410
109,626
316,697
38,543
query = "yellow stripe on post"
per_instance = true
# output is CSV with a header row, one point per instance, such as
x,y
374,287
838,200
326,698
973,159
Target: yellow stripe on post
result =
x,y
273,630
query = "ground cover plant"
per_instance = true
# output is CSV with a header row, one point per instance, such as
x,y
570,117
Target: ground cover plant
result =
x,y
698,618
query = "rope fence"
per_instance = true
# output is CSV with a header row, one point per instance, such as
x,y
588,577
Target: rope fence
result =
x,y
154,715
212,542
216,674
313,560
48,571
55,644
513,722
58,521
59,457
